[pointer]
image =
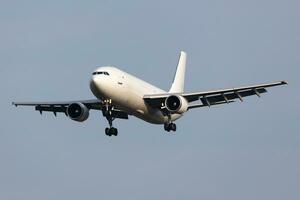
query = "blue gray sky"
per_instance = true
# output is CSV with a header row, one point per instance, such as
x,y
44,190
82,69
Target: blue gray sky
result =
x,y
244,150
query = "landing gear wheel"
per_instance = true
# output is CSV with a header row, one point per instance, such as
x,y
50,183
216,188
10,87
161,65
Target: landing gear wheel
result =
x,y
173,127
114,131
107,132
111,131
167,127
170,127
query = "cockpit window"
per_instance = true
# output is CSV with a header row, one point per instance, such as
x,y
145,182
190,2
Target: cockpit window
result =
x,y
105,73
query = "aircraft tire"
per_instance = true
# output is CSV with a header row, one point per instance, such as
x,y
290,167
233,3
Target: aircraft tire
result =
x,y
107,131
167,127
173,127
114,131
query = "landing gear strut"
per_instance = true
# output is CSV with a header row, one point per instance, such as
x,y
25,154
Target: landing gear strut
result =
x,y
108,113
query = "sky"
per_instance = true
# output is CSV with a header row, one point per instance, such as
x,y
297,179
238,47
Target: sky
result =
x,y
249,150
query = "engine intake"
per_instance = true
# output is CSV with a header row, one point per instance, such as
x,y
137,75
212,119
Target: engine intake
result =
x,y
78,112
176,104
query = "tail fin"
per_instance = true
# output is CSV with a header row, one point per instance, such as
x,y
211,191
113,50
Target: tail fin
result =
x,y
178,82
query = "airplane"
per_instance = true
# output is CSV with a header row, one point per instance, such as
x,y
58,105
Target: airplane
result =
x,y
119,94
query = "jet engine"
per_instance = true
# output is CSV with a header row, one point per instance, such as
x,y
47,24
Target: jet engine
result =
x,y
176,104
78,112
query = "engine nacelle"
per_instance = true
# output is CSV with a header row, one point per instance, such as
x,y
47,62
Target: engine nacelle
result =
x,y
176,104
78,112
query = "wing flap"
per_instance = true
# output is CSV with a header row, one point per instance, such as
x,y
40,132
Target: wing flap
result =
x,y
202,105
247,91
226,97
51,108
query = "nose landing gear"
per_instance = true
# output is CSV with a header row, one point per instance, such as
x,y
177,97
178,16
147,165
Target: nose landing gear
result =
x,y
111,131
107,111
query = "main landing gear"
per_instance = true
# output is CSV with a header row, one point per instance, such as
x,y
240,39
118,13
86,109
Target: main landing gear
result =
x,y
170,126
107,111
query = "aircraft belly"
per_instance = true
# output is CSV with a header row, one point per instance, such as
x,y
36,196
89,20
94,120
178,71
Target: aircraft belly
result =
x,y
135,105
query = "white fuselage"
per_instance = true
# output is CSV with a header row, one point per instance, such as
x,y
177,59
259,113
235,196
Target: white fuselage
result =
x,y
126,92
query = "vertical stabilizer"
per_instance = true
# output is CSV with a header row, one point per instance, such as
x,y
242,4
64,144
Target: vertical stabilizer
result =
x,y
178,82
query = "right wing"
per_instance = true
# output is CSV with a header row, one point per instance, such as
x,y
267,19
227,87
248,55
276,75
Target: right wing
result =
x,y
61,106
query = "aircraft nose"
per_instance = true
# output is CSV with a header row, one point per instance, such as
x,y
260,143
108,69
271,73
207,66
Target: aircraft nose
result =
x,y
93,80
94,83
97,86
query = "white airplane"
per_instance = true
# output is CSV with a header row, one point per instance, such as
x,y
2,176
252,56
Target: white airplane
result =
x,y
120,94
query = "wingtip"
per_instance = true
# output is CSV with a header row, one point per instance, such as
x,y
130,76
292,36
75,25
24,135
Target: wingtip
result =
x,y
284,82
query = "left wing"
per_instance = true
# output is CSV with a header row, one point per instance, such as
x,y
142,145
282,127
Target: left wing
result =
x,y
61,106
214,97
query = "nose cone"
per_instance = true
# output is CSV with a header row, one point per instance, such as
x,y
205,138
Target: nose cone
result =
x,y
93,82
96,86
